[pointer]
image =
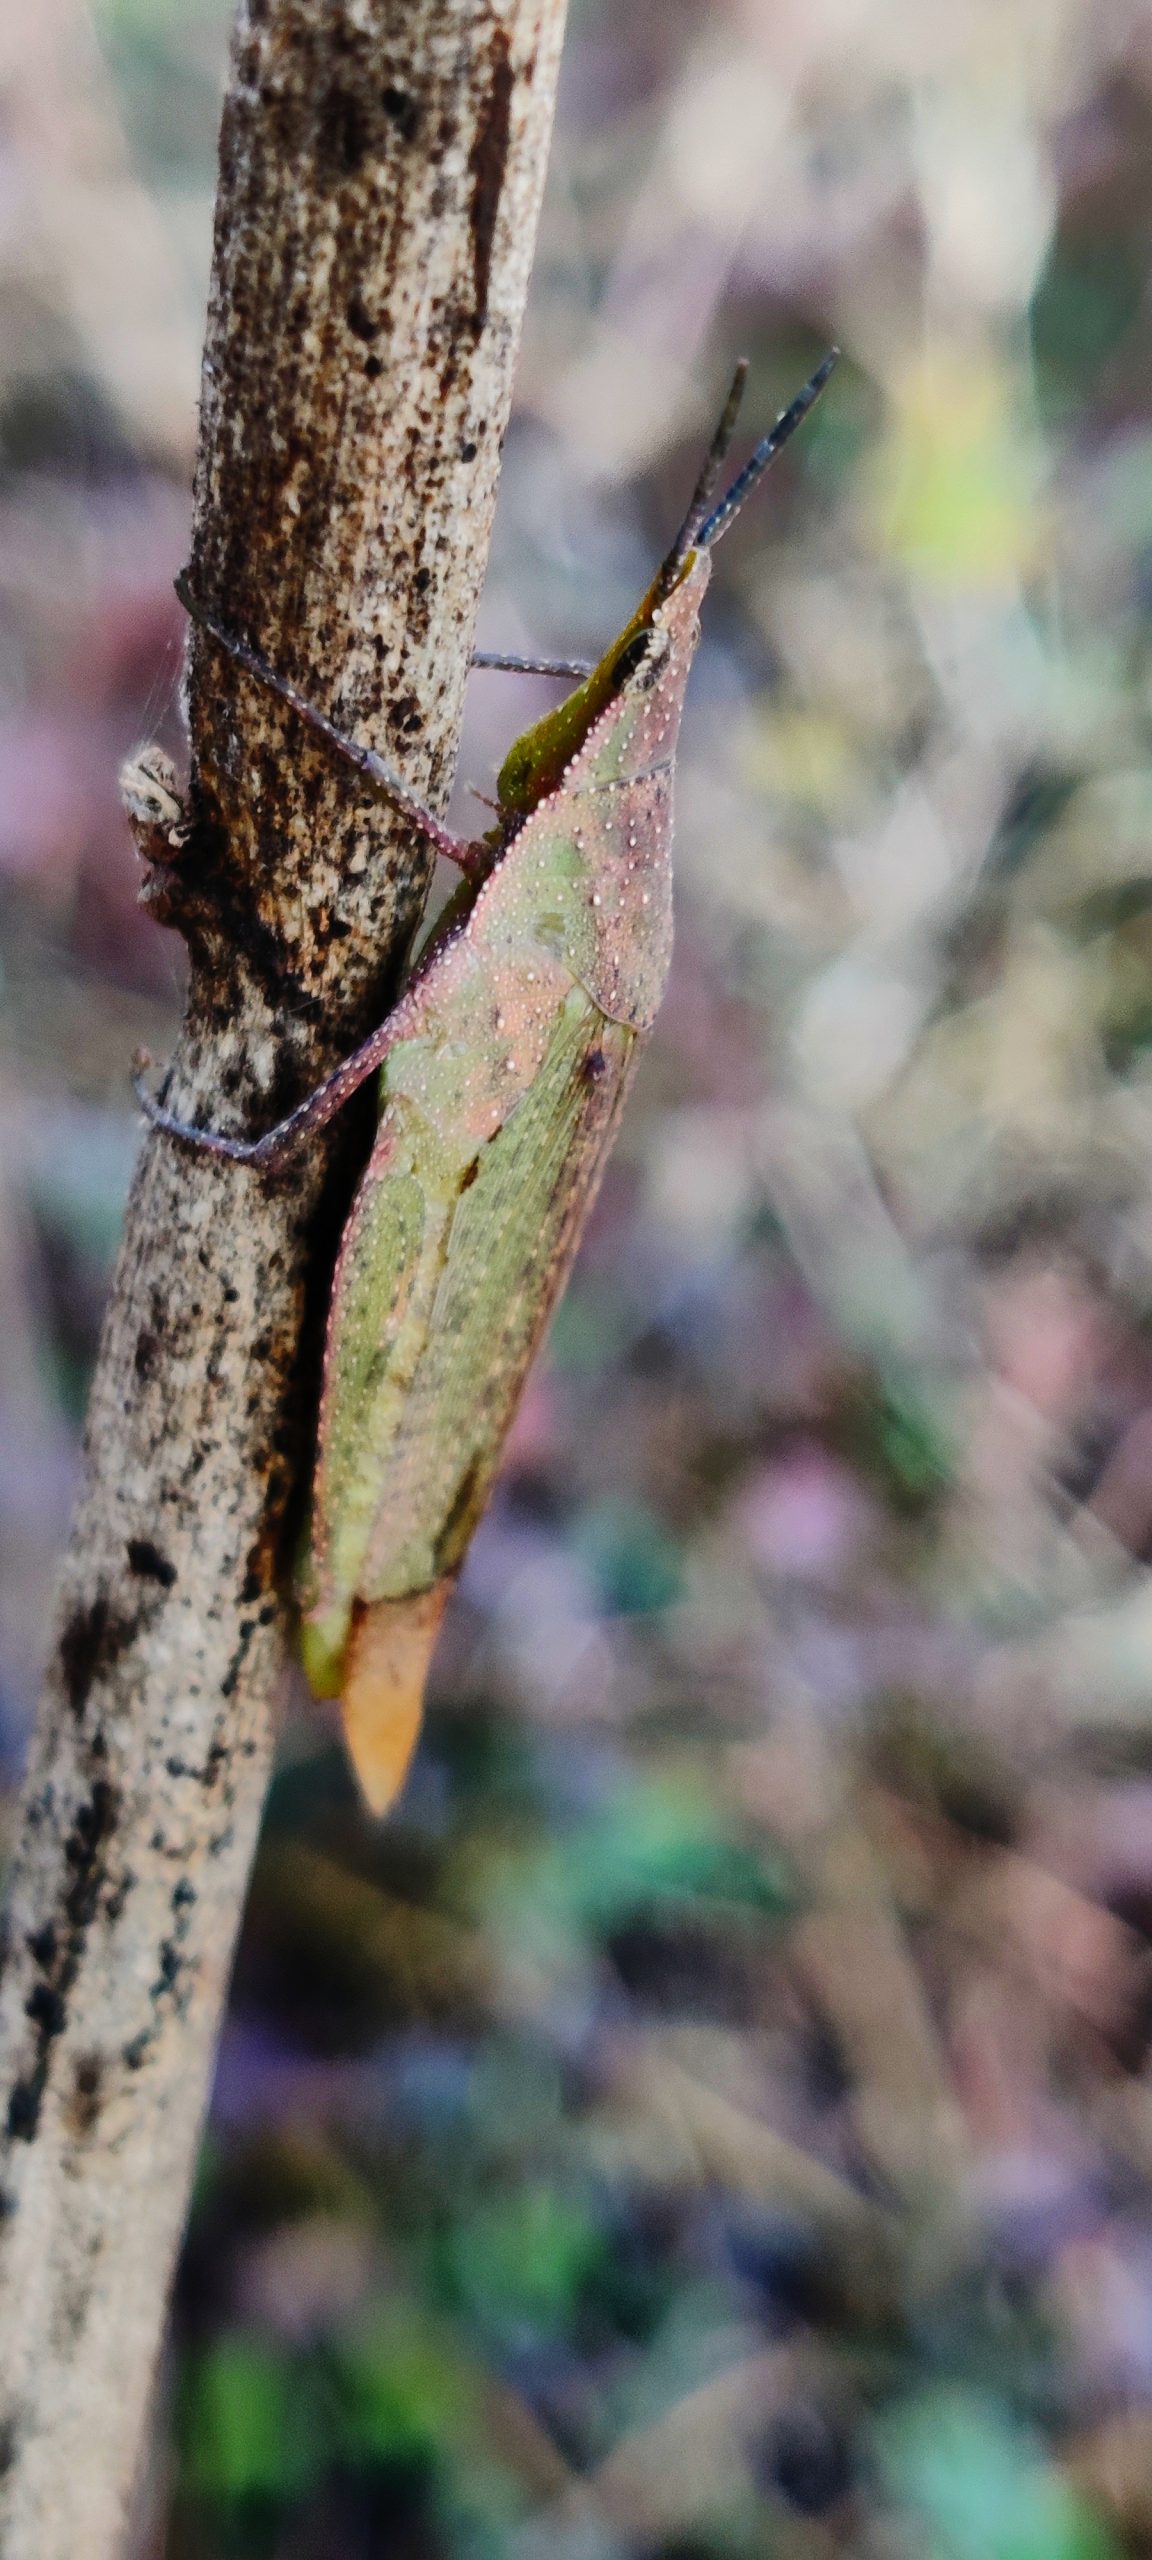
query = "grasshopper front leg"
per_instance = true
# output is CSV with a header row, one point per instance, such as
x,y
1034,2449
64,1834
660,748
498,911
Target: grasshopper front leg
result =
x,y
473,858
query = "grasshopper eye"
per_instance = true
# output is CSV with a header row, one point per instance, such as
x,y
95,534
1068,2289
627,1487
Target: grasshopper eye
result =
x,y
631,659
639,663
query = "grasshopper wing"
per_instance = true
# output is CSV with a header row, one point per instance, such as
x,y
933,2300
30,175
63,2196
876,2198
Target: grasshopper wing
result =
x,y
439,1309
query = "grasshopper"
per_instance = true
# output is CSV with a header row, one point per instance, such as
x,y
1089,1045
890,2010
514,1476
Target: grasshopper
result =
x,y
503,1068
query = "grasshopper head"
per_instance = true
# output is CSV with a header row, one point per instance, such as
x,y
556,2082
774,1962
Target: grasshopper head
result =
x,y
639,655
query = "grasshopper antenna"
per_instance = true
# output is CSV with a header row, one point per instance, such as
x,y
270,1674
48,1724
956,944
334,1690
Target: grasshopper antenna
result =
x,y
710,470
709,531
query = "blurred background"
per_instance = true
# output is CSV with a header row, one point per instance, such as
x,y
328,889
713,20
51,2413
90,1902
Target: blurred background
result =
x,y
714,2117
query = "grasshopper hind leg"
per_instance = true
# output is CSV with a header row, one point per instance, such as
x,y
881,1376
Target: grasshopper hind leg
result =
x,y
209,1142
280,1144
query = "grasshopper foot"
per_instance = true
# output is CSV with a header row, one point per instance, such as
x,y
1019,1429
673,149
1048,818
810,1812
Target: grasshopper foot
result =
x,y
208,1141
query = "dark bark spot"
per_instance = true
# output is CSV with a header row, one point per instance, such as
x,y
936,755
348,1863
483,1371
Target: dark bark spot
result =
x,y
487,161
46,2008
146,1355
171,1963
359,319
24,2109
260,1561
59,1950
146,1560
87,2093
205,1777
343,133
221,923
92,1641
119,1896
402,111
83,1852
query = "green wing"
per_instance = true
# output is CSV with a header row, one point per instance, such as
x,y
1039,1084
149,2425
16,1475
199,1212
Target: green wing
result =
x,y
439,1306
385,1262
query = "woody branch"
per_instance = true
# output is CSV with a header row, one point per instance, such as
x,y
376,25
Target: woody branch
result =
x,y
381,165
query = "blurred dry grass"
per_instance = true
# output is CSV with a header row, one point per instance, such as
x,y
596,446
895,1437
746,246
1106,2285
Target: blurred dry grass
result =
x,y
714,2117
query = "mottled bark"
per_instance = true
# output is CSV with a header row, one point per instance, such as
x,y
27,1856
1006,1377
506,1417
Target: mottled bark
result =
x,y
380,171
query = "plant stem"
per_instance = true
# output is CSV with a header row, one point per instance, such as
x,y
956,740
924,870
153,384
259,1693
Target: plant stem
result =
x,y
381,165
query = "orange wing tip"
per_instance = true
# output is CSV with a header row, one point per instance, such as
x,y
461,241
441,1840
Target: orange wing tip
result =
x,y
383,1695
